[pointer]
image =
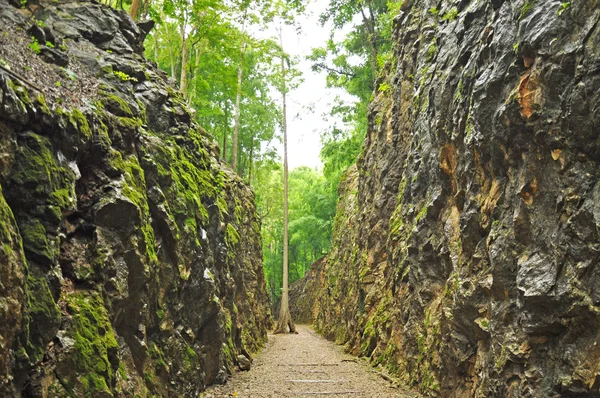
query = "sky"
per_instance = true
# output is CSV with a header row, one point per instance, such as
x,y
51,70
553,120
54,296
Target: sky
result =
x,y
308,105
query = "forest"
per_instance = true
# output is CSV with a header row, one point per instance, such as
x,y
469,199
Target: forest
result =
x,y
438,236
218,54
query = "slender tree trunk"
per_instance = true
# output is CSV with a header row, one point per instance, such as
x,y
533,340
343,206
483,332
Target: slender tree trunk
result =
x,y
135,5
184,61
194,76
145,10
224,156
372,39
155,34
285,321
250,162
236,125
171,55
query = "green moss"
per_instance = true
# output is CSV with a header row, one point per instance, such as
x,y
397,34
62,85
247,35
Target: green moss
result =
x,y
20,91
134,188
9,236
122,371
190,358
451,15
186,176
422,213
36,241
94,340
157,355
80,123
431,51
129,123
42,316
232,237
41,102
527,6
116,105
36,167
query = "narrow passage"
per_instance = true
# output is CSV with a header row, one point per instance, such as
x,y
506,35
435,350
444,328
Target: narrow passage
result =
x,y
306,365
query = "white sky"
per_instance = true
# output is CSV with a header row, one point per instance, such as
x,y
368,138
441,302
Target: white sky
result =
x,y
308,104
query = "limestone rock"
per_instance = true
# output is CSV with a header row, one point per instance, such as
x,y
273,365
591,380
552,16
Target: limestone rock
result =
x,y
130,255
464,260
243,362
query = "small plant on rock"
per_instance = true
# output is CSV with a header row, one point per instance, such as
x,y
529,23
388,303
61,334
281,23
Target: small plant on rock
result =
x,y
34,45
49,44
563,7
124,76
451,15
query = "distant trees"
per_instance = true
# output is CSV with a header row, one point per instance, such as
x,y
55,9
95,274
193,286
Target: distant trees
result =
x,y
230,79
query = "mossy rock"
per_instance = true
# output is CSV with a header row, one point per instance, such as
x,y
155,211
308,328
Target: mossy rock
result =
x,y
80,123
37,243
94,358
38,171
43,318
116,105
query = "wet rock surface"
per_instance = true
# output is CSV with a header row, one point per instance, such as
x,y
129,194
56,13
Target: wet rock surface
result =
x,y
130,256
466,261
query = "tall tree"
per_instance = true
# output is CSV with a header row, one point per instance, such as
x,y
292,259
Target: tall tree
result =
x,y
133,11
238,97
285,321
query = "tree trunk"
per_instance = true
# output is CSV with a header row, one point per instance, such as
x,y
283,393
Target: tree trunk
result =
x,y
224,156
236,124
194,78
171,55
155,34
145,10
250,162
372,37
285,321
184,60
135,5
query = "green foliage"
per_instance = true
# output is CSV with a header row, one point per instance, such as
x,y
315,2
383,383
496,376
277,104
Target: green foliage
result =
x,y
384,87
34,45
124,76
527,6
563,7
311,210
450,15
49,44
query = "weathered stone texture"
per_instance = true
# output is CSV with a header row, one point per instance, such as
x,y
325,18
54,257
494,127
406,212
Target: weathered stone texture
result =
x,y
130,256
468,264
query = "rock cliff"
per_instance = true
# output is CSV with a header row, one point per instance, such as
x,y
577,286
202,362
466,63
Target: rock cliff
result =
x,y
130,256
465,255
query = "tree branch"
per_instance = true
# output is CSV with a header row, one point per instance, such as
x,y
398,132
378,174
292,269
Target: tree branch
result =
x,y
324,66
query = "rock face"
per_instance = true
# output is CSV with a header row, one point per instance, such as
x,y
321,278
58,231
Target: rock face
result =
x,y
467,260
130,256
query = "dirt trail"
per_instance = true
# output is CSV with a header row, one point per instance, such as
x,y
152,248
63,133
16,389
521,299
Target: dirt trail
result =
x,y
306,365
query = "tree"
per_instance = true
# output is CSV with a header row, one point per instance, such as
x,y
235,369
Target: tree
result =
x,y
285,317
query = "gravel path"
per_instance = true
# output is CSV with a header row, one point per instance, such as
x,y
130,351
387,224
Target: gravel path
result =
x,y
306,365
